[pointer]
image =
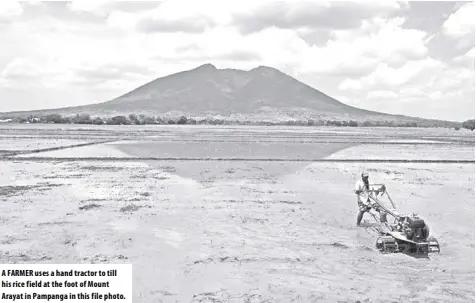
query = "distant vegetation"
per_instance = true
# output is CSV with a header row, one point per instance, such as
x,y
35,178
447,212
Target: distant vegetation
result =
x,y
469,124
134,119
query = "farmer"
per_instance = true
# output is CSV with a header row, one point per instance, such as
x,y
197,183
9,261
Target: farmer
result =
x,y
362,186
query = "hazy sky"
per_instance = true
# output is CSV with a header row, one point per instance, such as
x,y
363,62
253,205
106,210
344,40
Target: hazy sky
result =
x,y
412,58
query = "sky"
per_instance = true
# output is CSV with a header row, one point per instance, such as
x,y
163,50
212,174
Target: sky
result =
x,y
411,58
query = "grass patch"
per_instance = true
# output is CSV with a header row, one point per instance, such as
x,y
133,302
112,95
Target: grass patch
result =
x,y
23,257
90,206
12,190
386,171
132,208
93,200
47,186
54,223
102,168
64,176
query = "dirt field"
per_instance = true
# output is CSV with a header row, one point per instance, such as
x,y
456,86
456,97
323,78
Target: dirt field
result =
x,y
254,230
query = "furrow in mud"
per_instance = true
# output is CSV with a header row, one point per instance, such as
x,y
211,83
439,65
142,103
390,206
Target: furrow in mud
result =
x,y
14,153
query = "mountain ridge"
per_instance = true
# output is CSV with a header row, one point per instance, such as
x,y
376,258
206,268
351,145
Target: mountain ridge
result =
x,y
205,90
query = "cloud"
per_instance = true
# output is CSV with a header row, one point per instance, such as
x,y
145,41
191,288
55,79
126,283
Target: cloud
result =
x,y
471,53
436,95
467,59
18,68
349,52
9,9
35,72
358,52
273,47
180,15
105,7
112,71
88,6
240,55
169,17
461,23
408,92
151,25
54,73
315,36
350,84
382,94
197,55
201,51
434,90
23,71
385,75
313,14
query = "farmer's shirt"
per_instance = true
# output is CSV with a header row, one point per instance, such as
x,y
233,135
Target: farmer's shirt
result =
x,y
360,185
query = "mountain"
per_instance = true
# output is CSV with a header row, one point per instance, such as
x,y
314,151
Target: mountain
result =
x,y
263,93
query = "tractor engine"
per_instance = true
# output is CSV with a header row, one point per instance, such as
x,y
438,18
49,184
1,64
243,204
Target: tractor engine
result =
x,y
415,229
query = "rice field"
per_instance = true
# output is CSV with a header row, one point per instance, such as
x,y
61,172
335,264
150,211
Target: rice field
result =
x,y
239,214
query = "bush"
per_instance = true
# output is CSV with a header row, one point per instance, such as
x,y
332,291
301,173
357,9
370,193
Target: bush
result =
x,y
82,119
54,118
118,120
133,119
98,121
182,120
469,124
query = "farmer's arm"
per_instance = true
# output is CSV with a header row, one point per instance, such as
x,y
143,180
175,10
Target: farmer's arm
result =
x,y
358,189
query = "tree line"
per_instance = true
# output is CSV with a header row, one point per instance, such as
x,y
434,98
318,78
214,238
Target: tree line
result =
x,y
141,119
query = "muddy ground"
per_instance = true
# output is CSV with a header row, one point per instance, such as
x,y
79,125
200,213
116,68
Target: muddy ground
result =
x,y
242,231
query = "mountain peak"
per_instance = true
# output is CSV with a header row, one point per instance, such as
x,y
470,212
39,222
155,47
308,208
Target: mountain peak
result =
x,y
266,71
207,66
265,68
205,89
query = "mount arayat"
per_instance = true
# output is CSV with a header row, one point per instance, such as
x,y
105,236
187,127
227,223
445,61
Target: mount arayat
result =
x,y
260,94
